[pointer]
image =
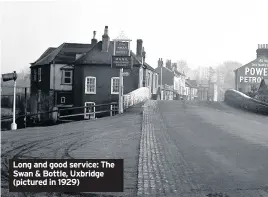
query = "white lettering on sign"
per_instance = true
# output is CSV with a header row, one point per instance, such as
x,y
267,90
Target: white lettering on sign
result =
x,y
256,71
250,79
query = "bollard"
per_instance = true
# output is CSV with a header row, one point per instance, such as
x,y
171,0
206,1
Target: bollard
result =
x,y
55,114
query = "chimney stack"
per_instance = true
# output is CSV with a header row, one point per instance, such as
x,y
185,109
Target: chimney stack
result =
x,y
143,54
105,40
160,62
94,40
174,66
262,50
139,48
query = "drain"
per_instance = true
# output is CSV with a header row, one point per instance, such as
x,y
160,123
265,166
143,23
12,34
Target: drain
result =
x,y
217,195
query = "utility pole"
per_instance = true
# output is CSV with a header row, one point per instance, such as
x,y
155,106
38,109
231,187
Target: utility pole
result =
x,y
8,77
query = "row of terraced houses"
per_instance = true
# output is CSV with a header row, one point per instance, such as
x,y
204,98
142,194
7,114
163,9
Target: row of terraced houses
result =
x,y
74,74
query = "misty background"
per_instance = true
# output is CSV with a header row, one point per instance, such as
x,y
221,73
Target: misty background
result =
x,y
219,34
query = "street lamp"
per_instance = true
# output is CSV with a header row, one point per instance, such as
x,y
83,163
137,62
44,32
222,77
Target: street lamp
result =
x,y
8,77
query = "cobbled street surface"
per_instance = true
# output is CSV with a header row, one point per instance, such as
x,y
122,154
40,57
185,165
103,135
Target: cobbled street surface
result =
x,y
109,137
201,149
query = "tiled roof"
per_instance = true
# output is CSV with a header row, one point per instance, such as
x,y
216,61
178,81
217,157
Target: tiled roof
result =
x,y
65,54
49,50
191,83
179,73
96,56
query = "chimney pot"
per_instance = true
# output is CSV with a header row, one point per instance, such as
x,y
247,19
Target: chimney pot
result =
x,y
105,40
94,40
139,48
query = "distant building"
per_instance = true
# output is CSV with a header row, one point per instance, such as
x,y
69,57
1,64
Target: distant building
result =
x,y
251,74
191,89
172,81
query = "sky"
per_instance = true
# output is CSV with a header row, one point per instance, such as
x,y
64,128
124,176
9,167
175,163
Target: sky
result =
x,y
203,33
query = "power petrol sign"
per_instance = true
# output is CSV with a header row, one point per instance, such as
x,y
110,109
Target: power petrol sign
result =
x,y
253,72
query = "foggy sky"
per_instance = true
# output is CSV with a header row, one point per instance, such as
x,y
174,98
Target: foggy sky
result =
x,y
204,33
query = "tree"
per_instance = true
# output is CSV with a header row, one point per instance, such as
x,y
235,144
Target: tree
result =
x,y
227,70
183,66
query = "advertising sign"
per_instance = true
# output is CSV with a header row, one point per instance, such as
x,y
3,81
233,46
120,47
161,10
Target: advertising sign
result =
x,y
9,76
121,62
121,48
253,72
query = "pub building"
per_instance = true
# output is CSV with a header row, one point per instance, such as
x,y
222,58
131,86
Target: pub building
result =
x,y
251,74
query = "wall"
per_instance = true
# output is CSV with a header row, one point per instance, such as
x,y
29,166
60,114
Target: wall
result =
x,y
251,74
237,99
167,76
42,85
58,78
103,74
137,96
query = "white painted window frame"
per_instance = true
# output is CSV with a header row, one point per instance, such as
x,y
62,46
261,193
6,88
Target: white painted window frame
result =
x,y
95,80
86,115
112,80
62,100
39,72
63,77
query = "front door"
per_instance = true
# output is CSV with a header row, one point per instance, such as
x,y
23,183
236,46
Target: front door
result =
x,y
89,110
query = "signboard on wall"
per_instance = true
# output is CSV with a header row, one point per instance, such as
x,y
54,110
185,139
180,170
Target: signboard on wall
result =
x,y
121,48
121,62
253,72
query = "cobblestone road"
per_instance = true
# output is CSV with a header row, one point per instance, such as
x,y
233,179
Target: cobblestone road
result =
x,y
201,150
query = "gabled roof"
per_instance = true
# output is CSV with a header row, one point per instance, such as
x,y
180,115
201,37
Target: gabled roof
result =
x,y
65,54
191,83
49,50
96,56
179,73
257,61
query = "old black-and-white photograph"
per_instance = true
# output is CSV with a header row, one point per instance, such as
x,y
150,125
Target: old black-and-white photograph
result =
x,y
134,98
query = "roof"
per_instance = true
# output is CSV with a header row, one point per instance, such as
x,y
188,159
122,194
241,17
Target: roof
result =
x,y
179,73
65,54
257,61
49,50
96,56
191,83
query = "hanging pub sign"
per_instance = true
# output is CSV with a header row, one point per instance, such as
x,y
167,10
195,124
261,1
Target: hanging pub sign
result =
x,y
122,62
121,48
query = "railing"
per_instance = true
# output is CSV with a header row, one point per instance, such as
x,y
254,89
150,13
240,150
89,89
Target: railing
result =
x,y
57,115
113,108
137,96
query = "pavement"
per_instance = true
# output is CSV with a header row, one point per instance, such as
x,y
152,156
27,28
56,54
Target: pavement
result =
x,y
109,137
170,148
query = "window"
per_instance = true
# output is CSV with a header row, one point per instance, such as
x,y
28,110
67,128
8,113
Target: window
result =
x,y
39,96
115,82
34,75
90,85
67,76
156,81
39,74
62,99
148,79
